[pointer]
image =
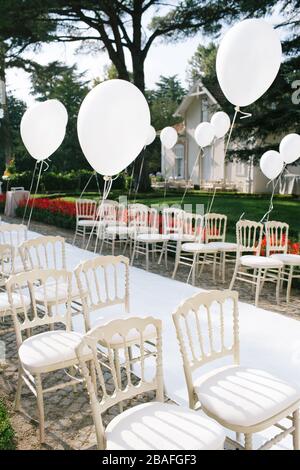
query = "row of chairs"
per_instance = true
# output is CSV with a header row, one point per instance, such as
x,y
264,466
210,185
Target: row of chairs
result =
x,y
129,351
196,241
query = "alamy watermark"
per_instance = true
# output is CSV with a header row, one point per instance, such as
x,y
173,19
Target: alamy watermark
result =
x,y
296,94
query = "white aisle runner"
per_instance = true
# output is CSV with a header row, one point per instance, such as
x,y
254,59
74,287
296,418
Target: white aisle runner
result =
x,y
268,340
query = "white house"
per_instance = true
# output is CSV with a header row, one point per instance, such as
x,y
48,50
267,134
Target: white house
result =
x,y
210,170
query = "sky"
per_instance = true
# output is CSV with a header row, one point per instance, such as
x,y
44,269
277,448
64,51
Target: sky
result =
x,y
163,59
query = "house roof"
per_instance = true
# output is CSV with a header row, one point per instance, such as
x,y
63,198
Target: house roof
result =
x,y
197,89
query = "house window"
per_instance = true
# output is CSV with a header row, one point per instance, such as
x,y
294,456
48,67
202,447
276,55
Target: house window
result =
x,y
179,160
204,110
240,168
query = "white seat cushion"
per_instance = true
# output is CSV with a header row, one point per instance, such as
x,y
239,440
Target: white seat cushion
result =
x,y
181,237
90,223
46,351
198,248
243,396
152,238
117,230
19,302
292,260
252,261
224,246
50,292
159,426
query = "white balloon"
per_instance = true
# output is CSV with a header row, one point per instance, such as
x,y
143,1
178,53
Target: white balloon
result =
x,y
290,148
169,137
113,124
43,128
248,61
204,134
221,123
151,135
271,164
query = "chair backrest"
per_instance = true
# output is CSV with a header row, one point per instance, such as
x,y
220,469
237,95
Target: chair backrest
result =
x,y
193,225
207,330
215,227
107,211
277,237
25,290
13,234
172,220
85,209
7,261
46,252
138,215
103,281
249,236
109,345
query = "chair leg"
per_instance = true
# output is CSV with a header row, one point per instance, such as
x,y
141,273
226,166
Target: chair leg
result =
x,y
214,266
194,268
234,276
75,236
289,284
147,256
248,442
177,259
165,250
19,390
133,253
161,255
223,263
113,241
296,433
278,286
118,374
257,291
83,238
40,405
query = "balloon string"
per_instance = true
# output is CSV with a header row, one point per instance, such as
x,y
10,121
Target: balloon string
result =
x,y
108,181
139,180
191,175
271,206
30,190
36,190
89,180
131,180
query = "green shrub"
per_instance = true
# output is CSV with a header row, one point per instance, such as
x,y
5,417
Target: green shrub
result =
x,y
71,181
7,435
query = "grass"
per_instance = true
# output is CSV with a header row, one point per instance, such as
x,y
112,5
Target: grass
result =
x,y
7,435
286,208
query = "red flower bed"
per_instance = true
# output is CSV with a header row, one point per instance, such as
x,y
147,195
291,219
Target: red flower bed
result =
x,y
293,247
55,206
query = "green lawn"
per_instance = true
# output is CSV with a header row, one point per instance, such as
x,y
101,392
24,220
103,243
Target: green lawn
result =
x,y
286,208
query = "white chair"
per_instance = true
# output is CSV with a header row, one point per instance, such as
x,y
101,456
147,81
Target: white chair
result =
x,y
115,230
215,235
253,268
277,237
13,234
103,282
243,399
192,231
149,426
45,352
146,240
49,252
7,256
173,225
85,218
193,254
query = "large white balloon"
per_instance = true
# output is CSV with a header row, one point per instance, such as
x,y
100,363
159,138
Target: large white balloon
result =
x,y
169,137
151,135
221,123
248,61
271,164
204,134
290,148
43,128
113,124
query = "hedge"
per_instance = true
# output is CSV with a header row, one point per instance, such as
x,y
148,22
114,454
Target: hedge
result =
x,y
74,181
7,434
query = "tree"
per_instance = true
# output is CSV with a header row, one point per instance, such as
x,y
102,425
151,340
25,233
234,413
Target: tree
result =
x,y
273,115
66,84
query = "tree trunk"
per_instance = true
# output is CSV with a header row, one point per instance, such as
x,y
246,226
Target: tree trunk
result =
x,y
5,125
